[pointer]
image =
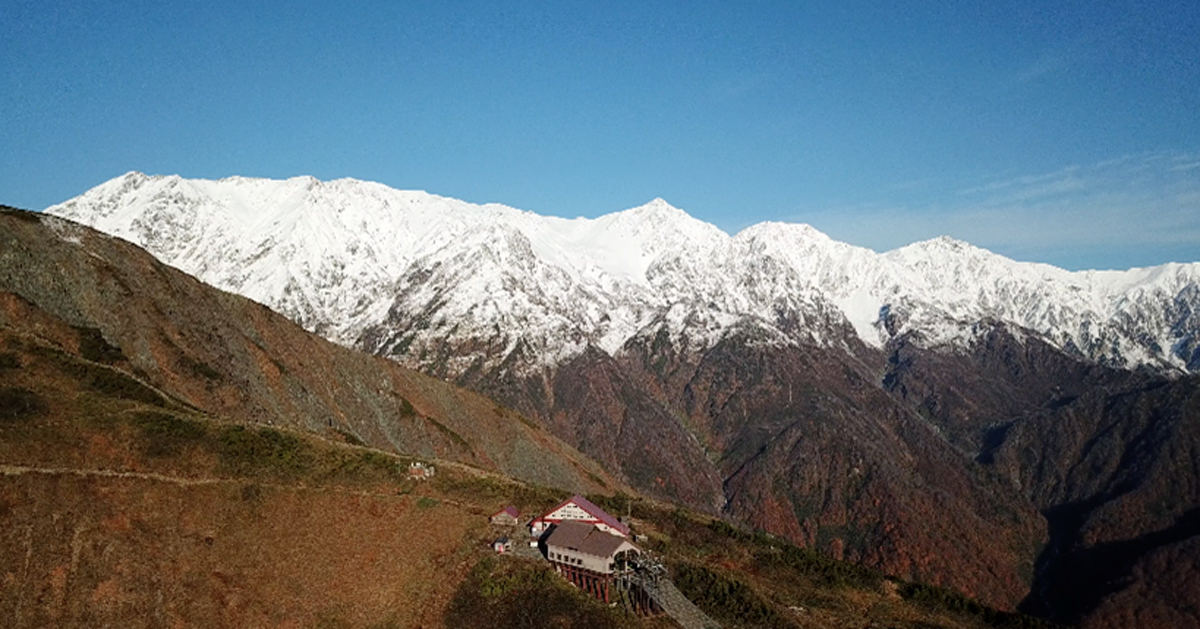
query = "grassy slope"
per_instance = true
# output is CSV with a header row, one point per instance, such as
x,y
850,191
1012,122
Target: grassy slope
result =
x,y
746,579
122,506
119,506
107,300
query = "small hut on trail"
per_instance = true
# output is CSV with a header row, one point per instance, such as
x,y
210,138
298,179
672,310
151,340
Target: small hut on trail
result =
x,y
502,545
506,516
420,471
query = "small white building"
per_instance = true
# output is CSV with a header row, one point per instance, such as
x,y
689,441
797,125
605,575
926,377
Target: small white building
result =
x,y
506,516
420,471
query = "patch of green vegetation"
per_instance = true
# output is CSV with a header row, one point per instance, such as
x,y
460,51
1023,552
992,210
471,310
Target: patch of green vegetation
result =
x,y
163,434
19,403
245,450
9,360
479,488
406,408
770,551
851,536
454,437
525,595
24,215
943,599
823,569
804,508
199,368
252,492
108,380
725,597
365,465
782,560
425,502
94,347
593,477
492,490
349,437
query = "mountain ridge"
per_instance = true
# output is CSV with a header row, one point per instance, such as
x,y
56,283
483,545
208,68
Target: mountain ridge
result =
x,y
621,271
881,407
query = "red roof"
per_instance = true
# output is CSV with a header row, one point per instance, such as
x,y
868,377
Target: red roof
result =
x,y
585,538
510,510
593,510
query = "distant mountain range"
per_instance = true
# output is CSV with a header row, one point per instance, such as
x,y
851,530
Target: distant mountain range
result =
x,y
400,272
1023,433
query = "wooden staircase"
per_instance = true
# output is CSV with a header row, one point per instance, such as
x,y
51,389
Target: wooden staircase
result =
x,y
668,597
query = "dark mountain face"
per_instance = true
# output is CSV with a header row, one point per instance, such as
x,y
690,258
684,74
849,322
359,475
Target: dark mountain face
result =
x,y
814,449
1006,470
801,441
1111,459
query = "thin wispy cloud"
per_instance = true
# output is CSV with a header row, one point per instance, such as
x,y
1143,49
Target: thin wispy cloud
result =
x,y
739,85
1047,63
1056,60
1138,205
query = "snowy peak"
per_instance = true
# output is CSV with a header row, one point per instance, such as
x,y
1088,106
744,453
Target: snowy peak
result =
x,y
942,243
657,205
415,272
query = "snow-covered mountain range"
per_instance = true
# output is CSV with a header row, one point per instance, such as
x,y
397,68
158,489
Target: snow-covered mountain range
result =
x,y
405,273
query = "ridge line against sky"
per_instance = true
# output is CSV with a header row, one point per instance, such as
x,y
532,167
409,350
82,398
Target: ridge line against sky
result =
x,y
1064,134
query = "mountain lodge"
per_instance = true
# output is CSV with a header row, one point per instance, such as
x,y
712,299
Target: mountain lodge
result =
x,y
578,509
588,556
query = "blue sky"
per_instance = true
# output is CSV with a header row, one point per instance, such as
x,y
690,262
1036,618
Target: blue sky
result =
x,y
1053,131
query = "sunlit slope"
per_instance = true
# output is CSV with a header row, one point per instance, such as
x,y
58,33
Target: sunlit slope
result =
x,y
122,506
110,302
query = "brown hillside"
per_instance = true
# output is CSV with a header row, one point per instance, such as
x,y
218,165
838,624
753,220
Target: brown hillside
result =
x,y
123,507
110,302
802,442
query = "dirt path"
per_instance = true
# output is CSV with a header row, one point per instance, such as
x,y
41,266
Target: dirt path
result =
x,y
185,481
20,470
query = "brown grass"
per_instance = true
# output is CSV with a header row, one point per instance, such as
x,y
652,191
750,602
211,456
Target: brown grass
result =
x,y
153,514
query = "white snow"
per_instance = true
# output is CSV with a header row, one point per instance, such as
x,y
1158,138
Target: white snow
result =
x,y
420,272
